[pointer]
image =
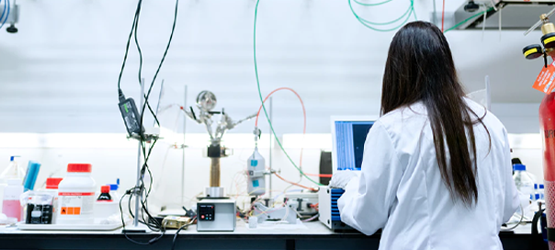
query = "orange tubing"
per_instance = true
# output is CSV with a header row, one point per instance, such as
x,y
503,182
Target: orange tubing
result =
x,y
296,184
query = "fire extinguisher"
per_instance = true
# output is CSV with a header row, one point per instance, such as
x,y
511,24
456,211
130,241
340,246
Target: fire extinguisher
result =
x,y
547,120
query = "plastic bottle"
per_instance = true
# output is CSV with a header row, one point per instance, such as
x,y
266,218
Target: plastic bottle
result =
x,y
52,185
256,184
76,195
114,192
105,205
13,171
104,194
524,182
542,192
11,205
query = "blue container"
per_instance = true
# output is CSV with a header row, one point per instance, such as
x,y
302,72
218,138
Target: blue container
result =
x,y
31,176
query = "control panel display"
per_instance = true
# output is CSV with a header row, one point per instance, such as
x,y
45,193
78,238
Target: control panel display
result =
x,y
206,212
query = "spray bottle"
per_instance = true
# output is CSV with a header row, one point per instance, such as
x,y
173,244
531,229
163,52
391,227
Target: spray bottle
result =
x,y
13,171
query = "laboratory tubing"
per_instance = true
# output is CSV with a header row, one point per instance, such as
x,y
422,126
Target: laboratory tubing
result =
x,y
11,205
76,195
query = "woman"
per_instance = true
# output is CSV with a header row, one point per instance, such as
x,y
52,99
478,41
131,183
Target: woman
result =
x,y
437,168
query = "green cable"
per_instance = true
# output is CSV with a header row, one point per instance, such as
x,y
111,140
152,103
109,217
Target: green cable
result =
x,y
409,10
262,99
373,4
362,21
468,19
413,11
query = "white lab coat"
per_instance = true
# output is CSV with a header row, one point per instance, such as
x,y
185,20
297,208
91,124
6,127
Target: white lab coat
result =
x,y
400,189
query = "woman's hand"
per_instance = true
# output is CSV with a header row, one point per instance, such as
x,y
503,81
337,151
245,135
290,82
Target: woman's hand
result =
x,y
341,178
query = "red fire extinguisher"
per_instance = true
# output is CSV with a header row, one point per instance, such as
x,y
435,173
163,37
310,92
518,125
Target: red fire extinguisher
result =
x,y
547,116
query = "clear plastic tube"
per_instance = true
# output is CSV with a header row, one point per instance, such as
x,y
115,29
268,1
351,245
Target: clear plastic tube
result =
x,y
367,23
304,116
262,100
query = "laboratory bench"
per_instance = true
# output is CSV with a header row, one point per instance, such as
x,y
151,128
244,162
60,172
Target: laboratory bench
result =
x,y
313,235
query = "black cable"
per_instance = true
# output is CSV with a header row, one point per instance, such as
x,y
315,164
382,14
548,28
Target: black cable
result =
x,y
140,71
144,202
147,218
128,43
179,230
165,53
151,241
134,28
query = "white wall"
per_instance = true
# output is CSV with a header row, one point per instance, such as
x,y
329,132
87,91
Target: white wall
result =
x,y
59,73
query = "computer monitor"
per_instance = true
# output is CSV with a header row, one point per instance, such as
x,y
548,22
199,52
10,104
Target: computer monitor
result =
x,y
348,136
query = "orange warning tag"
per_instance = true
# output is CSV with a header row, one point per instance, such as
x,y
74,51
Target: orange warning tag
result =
x,y
545,80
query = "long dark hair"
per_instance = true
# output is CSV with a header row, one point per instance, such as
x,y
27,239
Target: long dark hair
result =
x,y
420,67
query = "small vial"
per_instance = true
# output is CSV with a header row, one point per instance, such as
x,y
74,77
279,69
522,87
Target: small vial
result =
x,y
253,222
105,194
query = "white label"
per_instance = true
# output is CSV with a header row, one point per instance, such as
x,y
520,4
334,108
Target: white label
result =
x,y
36,214
76,203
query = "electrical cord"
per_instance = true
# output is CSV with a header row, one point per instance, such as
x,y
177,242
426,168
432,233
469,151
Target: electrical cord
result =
x,y
151,222
139,50
136,189
517,224
145,217
165,54
151,241
179,230
133,31
262,100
